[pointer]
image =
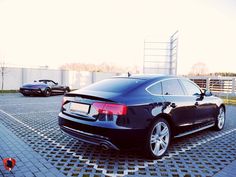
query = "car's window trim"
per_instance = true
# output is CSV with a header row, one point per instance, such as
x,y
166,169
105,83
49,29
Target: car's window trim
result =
x,y
162,80
188,80
153,84
177,79
181,85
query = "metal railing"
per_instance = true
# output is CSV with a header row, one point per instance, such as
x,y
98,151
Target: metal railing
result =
x,y
221,86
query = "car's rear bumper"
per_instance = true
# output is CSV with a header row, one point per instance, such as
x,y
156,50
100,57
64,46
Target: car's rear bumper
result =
x,y
89,137
115,138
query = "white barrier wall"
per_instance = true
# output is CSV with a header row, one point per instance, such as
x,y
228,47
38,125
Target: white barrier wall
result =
x,y
12,78
79,79
100,76
29,75
15,77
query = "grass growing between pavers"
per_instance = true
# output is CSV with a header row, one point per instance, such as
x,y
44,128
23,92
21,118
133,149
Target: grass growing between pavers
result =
x,y
231,100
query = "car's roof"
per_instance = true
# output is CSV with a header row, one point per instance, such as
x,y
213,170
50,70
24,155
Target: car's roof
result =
x,y
147,76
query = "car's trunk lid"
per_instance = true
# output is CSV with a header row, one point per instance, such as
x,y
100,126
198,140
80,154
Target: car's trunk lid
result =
x,y
79,104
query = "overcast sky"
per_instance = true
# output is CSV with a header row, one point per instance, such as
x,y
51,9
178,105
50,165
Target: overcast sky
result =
x,y
53,32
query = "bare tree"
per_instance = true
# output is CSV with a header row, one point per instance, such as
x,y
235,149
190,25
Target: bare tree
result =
x,y
199,69
104,67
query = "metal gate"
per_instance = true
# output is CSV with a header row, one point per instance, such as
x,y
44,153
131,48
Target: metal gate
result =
x,y
161,57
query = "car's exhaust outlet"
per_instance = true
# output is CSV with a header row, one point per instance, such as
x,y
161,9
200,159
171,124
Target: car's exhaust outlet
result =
x,y
104,146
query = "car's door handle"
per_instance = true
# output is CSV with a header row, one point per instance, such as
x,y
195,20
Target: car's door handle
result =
x,y
196,104
173,105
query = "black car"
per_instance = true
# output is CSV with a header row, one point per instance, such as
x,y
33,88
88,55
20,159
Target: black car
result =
x,y
43,87
145,111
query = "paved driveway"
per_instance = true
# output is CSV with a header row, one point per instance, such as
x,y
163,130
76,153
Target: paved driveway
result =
x,y
33,120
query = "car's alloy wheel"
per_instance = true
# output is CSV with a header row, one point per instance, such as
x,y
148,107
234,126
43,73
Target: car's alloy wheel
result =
x,y
66,90
47,92
159,139
220,122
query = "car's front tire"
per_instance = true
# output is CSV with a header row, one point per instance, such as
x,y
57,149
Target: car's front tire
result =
x,y
47,92
158,138
220,120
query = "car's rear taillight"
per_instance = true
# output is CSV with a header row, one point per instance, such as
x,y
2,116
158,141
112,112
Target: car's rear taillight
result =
x,y
66,99
110,108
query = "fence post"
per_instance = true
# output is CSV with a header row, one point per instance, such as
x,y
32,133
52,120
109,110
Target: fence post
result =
x,y
208,83
24,76
233,86
93,76
62,76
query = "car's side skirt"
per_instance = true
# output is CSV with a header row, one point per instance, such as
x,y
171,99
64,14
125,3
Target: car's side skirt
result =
x,y
194,131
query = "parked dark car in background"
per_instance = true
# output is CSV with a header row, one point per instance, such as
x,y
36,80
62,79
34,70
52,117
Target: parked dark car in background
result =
x,y
142,110
43,87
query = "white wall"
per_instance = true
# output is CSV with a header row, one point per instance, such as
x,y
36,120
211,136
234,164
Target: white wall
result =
x,y
15,77
12,78
36,74
100,76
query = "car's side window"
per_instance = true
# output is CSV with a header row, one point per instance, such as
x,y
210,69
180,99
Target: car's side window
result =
x,y
172,87
45,82
50,83
155,89
190,87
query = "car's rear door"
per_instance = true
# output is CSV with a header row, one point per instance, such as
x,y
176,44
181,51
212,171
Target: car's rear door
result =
x,y
181,107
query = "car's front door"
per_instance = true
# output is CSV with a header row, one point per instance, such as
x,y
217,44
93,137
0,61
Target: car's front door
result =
x,y
205,109
55,88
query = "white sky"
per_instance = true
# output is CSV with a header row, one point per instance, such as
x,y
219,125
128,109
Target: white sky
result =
x,y
53,32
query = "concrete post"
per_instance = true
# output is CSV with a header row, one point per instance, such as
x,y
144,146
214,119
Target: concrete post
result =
x,y
208,83
233,86
24,76
93,76
62,76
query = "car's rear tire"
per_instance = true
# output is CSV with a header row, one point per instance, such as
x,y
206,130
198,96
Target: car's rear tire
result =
x,y
67,90
25,94
47,92
158,139
220,120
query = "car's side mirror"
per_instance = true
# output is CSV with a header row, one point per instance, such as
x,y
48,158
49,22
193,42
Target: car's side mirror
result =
x,y
207,92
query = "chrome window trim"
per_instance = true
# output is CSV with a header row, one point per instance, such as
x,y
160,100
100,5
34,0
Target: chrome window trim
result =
x,y
188,80
170,79
157,83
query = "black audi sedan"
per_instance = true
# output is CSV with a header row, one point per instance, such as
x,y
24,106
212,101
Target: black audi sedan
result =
x,y
140,110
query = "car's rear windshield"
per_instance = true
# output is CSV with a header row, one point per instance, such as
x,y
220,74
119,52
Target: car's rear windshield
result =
x,y
116,85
